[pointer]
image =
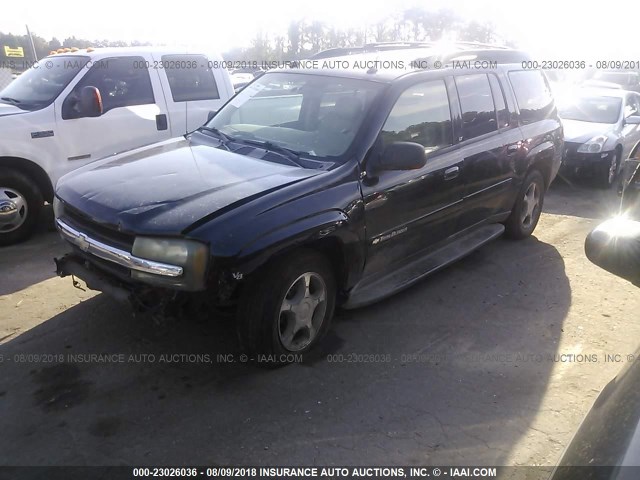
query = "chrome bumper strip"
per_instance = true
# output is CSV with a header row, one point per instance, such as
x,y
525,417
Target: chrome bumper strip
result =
x,y
115,255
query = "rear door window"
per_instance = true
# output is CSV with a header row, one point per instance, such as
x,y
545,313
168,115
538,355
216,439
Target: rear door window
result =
x,y
532,94
476,102
190,78
498,99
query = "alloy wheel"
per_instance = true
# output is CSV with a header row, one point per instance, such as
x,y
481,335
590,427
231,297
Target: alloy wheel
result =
x,y
302,311
530,205
13,209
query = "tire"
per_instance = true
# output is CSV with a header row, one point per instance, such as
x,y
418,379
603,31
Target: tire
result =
x,y
275,303
20,205
608,172
528,207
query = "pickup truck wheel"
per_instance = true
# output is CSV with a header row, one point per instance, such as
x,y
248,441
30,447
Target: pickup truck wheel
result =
x,y
20,205
287,307
526,212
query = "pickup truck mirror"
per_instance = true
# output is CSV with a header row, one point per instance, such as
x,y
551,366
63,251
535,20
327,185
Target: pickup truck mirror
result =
x,y
90,102
632,120
615,246
400,156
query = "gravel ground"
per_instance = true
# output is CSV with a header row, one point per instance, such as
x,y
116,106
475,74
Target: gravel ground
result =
x,y
493,361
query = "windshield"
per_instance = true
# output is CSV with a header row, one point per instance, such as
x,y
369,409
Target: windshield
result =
x,y
42,83
313,115
592,109
621,78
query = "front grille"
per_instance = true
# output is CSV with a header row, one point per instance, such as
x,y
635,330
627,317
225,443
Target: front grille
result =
x,y
98,231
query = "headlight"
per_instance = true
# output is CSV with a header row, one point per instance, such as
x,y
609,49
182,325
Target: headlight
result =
x,y
58,207
193,256
595,145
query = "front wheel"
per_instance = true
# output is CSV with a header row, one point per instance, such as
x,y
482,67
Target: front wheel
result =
x,y
528,207
20,205
609,171
287,307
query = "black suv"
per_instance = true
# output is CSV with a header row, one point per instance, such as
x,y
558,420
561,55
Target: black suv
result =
x,y
316,188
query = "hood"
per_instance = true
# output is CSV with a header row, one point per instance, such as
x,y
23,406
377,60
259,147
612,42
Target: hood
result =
x,y
166,187
7,109
581,132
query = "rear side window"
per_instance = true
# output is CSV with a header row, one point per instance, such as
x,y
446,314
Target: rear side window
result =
x,y
532,94
476,102
121,82
190,78
498,99
421,115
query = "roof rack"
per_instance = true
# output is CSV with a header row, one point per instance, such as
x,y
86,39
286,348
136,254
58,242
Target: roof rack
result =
x,y
482,51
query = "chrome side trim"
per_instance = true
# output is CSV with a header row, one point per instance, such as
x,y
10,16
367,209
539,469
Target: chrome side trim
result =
x,y
115,255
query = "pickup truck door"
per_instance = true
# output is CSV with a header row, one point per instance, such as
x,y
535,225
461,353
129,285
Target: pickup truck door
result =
x,y
134,111
407,212
194,89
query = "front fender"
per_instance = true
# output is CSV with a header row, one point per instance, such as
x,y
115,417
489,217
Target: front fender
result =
x,y
323,228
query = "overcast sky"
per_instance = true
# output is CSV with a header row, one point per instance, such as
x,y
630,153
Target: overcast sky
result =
x,y
544,27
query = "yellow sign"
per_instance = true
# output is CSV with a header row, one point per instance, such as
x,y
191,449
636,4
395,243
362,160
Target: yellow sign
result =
x,y
14,52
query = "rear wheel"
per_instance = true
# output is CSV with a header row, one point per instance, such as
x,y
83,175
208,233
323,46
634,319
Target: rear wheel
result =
x,y
526,212
287,307
20,205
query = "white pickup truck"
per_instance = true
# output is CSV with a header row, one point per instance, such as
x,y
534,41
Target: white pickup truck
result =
x,y
76,107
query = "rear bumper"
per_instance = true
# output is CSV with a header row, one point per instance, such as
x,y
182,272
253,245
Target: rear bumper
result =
x,y
71,264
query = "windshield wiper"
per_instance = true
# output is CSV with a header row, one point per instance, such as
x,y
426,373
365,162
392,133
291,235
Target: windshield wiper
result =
x,y
291,155
10,100
224,138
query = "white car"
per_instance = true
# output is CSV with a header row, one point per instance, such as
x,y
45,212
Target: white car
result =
x,y
76,107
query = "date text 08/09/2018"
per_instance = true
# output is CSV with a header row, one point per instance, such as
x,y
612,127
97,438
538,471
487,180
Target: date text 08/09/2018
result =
x,y
318,472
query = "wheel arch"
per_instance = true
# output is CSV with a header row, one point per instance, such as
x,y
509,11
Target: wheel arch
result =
x,y
332,236
541,159
33,171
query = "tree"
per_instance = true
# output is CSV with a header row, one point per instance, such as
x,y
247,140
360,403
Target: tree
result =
x,y
54,44
294,34
476,32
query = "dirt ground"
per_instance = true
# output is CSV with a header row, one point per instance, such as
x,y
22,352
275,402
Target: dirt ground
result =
x,y
492,361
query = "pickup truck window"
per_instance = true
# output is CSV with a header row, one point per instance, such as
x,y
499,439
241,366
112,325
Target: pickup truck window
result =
x,y
532,94
476,102
190,78
122,83
313,115
421,115
41,85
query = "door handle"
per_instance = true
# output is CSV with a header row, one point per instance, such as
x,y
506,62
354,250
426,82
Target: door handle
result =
x,y
161,122
513,148
451,173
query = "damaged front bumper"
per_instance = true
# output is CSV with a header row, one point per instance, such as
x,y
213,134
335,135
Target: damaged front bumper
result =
x,y
71,264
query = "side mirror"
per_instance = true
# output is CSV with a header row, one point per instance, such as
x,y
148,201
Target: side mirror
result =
x,y
615,246
632,120
400,156
90,102
211,114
